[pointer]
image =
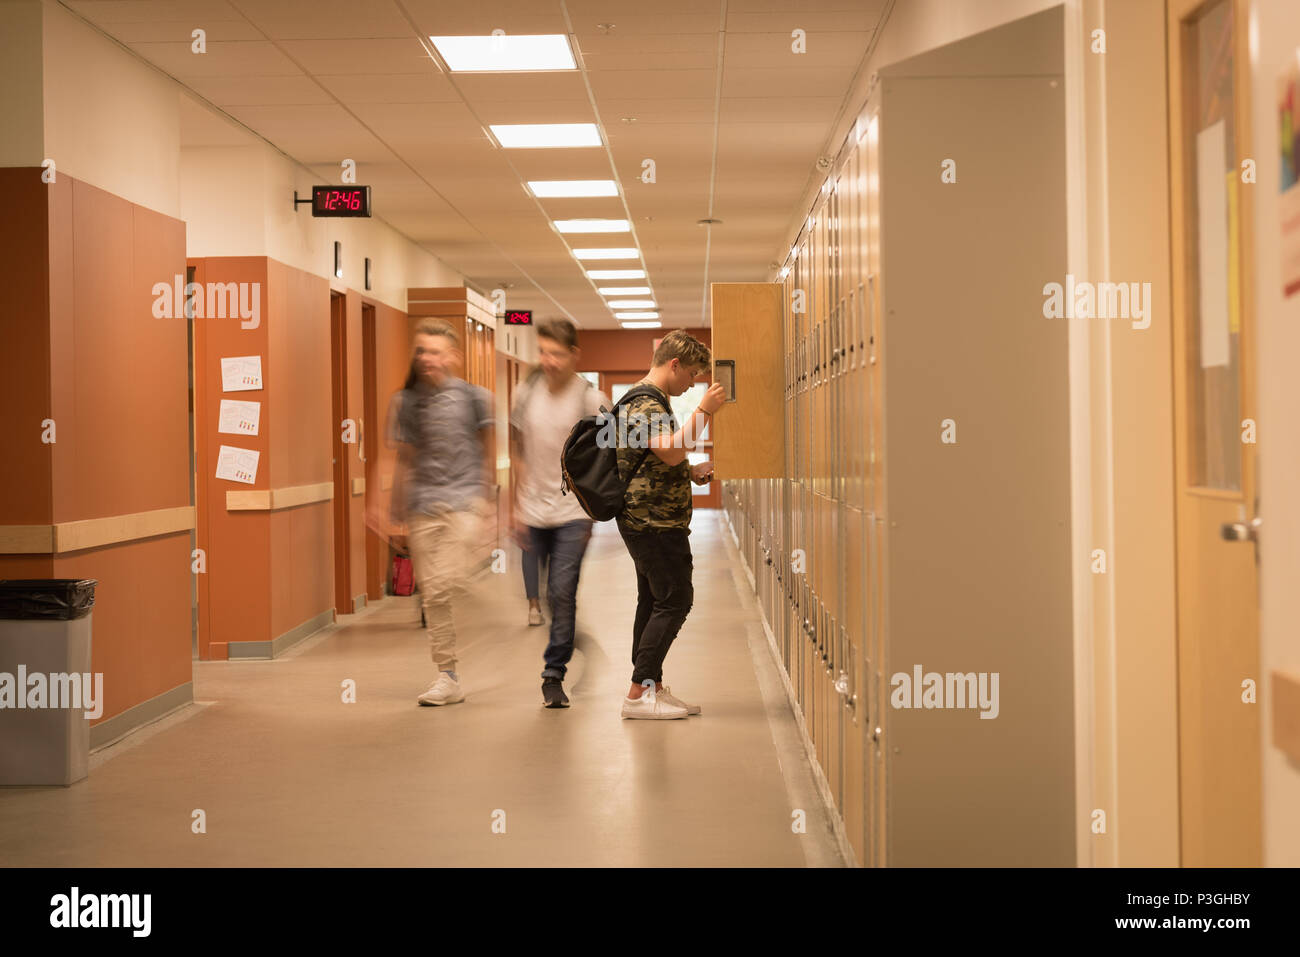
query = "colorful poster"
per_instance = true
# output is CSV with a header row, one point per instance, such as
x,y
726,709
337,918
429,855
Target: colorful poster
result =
x,y
1288,141
237,465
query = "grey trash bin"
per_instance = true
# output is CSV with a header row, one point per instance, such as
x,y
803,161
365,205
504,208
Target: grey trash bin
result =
x,y
45,641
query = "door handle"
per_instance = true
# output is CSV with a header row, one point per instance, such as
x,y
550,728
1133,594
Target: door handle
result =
x,y
1242,531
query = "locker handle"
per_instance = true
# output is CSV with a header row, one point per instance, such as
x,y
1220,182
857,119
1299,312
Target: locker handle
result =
x,y
724,371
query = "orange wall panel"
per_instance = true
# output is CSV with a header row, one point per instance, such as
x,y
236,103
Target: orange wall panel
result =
x,y
234,602
26,491
140,629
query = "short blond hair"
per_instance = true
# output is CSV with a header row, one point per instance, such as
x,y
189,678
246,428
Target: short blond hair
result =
x,y
681,345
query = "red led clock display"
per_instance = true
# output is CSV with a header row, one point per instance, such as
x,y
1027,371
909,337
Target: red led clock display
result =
x,y
340,200
519,317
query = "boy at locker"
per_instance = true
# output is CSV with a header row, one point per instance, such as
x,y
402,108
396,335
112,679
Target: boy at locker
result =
x,y
656,517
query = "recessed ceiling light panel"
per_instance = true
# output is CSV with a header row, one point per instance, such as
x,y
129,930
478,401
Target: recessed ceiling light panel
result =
x,y
505,53
631,304
551,188
636,315
593,225
615,273
620,252
545,136
624,290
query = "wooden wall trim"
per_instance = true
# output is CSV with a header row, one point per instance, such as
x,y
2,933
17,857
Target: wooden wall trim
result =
x,y
94,532
272,500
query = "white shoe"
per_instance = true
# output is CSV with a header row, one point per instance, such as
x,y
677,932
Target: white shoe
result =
x,y
673,699
446,690
651,705
534,616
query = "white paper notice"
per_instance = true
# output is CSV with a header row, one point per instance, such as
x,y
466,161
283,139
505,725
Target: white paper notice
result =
x,y
1212,223
237,465
239,417
241,374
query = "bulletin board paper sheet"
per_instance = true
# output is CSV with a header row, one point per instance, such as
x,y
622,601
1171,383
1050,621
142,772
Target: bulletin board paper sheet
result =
x,y
240,418
237,465
1212,221
241,374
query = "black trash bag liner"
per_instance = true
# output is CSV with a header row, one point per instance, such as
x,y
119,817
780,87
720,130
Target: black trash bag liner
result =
x,y
61,599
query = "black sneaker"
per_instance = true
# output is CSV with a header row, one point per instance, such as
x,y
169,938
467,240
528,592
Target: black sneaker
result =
x,y
553,693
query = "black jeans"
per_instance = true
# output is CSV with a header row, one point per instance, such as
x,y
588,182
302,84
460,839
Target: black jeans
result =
x,y
663,595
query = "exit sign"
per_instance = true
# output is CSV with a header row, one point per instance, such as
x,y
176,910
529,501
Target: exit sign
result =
x,y
519,317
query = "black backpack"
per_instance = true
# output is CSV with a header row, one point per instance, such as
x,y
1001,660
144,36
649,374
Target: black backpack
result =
x,y
591,472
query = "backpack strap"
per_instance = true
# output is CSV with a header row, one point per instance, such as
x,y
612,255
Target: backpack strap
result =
x,y
634,393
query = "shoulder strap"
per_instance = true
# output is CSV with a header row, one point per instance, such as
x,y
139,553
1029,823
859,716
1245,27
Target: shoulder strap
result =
x,y
635,392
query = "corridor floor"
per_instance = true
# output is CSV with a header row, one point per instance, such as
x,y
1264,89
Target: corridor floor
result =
x,y
287,774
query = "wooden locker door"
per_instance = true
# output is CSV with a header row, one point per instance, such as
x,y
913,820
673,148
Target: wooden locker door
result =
x,y
749,441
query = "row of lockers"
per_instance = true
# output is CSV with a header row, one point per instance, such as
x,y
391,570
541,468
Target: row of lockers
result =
x,y
885,546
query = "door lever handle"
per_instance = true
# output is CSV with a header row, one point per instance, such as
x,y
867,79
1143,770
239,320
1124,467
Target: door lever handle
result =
x,y
1242,531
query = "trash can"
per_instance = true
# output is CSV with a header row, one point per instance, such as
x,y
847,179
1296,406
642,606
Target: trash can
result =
x,y
46,686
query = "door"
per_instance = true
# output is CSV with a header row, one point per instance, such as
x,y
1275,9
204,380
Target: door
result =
x,y
377,559
1214,412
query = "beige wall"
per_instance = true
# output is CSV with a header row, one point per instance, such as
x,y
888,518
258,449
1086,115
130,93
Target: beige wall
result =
x,y
1275,36
22,99
110,120
114,122
237,198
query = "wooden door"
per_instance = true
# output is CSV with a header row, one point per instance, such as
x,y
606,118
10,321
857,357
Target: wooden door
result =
x,y
342,494
1214,406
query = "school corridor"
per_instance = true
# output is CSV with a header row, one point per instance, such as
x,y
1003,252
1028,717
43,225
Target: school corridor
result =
x,y
969,331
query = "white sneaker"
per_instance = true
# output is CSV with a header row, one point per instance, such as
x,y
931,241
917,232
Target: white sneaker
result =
x,y
651,705
534,616
446,690
673,699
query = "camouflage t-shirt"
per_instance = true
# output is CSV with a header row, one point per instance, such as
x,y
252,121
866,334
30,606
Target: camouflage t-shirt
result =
x,y
659,496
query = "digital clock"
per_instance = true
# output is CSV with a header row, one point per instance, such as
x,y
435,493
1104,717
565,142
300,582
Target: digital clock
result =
x,y
519,317
340,200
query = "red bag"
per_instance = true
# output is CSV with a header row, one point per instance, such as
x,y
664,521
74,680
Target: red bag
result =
x,y
403,578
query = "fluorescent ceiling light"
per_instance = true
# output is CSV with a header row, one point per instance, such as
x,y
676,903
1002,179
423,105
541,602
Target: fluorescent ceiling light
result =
x,y
619,252
593,225
522,136
547,188
624,291
615,273
636,315
641,325
631,304
506,53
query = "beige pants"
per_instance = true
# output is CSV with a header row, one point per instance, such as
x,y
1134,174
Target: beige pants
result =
x,y
440,558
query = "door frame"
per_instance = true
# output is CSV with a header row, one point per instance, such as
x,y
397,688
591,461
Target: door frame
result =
x,y
342,497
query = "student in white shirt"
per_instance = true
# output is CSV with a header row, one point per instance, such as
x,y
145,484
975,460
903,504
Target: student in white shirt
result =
x,y
549,524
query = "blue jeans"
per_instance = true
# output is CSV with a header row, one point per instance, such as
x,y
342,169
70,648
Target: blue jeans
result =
x,y
562,547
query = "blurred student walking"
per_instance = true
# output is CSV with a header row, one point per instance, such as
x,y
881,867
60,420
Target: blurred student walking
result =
x,y
445,473
551,527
